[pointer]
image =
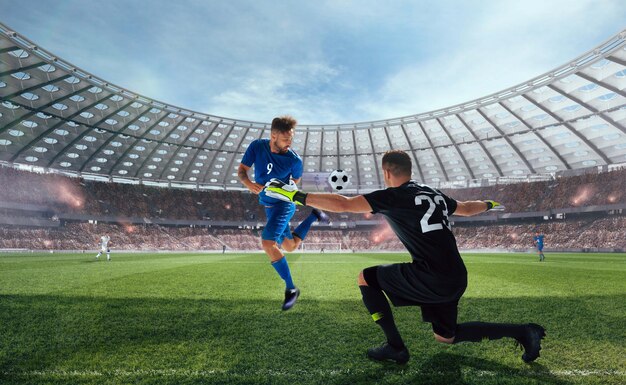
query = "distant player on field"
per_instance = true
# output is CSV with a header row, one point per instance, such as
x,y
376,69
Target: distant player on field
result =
x,y
538,240
104,246
273,158
436,278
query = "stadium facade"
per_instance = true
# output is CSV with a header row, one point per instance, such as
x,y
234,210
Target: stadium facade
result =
x,y
55,116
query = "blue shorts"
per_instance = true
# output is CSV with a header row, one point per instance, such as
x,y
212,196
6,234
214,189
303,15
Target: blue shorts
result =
x,y
278,217
540,247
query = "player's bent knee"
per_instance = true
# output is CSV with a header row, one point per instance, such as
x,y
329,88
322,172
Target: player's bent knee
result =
x,y
443,339
290,245
268,245
361,279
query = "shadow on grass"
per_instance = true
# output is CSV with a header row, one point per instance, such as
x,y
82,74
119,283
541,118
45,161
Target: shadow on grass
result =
x,y
254,342
453,369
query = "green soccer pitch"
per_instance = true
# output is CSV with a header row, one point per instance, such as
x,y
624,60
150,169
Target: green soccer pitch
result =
x,y
214,318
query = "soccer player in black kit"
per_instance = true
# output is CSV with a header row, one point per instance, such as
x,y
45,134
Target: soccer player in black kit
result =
x,y
436,278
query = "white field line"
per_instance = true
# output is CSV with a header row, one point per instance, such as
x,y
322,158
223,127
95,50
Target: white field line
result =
x,y
301,373
296,262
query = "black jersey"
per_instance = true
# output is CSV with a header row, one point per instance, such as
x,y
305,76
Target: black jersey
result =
x,y
418,214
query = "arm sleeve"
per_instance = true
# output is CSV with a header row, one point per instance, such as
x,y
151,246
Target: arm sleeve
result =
x,y
380,200
296,170
250,155
450,203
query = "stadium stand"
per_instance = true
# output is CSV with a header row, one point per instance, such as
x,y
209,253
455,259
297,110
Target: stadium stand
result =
x,y
55,212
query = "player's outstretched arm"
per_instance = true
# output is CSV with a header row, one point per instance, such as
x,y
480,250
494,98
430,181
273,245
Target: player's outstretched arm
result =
x,y
339,203
469,208
324,201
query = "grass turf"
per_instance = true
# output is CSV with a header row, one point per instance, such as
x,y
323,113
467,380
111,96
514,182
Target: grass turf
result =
x,y
213,318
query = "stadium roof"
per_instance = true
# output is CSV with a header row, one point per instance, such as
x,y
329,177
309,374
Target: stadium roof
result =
x,y
54,115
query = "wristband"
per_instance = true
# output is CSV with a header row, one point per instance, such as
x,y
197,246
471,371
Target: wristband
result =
x,y
299,197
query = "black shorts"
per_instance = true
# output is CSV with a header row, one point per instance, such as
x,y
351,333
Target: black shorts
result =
x,y
400,286
442,317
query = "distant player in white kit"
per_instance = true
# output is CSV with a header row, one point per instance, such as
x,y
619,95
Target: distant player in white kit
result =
x,y
104,246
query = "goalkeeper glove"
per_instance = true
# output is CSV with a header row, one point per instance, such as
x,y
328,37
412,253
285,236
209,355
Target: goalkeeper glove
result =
x,y
494,206
275,188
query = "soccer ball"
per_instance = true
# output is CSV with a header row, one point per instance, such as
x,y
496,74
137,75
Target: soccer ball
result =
x,y
338,180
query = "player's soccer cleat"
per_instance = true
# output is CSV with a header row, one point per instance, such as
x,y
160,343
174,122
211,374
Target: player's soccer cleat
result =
x,y
531,342
291,296
322,217
386,352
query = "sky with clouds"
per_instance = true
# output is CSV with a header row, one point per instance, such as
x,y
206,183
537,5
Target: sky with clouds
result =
x,y
325,61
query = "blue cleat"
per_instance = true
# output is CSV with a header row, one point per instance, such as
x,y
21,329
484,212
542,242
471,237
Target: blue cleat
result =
x,y
322,217
291,296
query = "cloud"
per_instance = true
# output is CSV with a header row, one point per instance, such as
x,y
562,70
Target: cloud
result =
x,y
266,92
504,45
325,62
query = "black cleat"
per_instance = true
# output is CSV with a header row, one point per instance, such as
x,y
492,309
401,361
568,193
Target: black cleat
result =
x,y
322,217
386,352
291,296
531,341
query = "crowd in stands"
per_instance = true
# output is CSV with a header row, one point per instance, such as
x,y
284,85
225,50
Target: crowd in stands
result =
x,y
590,189
75,195
86,236
603,233
58,194
590,233
68,194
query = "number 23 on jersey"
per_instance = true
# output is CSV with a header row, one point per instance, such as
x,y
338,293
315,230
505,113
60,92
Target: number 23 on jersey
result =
x,y
433,204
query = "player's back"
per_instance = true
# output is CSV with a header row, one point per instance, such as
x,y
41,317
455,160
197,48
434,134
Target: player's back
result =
x,y
418,214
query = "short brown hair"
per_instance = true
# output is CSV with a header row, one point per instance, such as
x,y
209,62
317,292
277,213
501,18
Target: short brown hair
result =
x,y
397,162
284,123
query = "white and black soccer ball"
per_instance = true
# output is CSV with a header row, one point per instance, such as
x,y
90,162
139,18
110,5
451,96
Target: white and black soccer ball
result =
x,y
338,180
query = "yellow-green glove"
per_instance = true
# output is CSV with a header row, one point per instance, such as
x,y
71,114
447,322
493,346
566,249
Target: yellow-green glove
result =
x,y
494,206
277,189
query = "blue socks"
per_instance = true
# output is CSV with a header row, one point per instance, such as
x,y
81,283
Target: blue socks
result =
x,y
303,228
282,268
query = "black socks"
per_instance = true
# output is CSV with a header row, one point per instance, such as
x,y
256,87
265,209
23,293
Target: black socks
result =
x,y
477,331
376,303
378,306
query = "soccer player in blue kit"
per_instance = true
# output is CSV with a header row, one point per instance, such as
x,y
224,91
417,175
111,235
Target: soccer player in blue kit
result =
x,y
538,239
274,159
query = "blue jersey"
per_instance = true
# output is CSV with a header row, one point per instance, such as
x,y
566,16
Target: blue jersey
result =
x,y
268,165
538,240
